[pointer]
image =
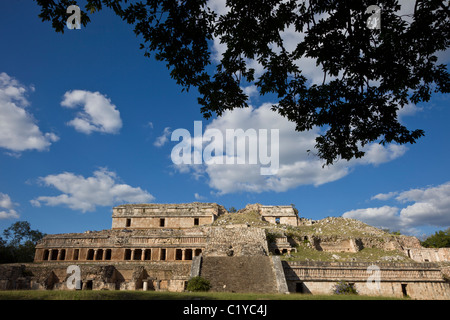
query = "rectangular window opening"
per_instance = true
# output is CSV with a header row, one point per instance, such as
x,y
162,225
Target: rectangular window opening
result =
x,y
108,254
76,253
127,255
46,254
162,254
90,254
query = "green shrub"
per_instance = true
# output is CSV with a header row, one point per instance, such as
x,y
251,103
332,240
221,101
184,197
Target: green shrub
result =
x,y
343,287
198,284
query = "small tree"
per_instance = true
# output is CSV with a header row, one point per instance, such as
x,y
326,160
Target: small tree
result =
x,y
441,239
18,244
198,284
343,287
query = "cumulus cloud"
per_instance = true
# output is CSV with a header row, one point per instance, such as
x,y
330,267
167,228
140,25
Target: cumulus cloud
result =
x,y
18,129
296,166
98,115
7,207
428,206
384,196
382,217
85,194
162,139
199,197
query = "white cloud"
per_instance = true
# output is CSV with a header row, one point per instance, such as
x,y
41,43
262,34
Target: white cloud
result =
x,y
384,196
296,166
5,201
250,91
377,154
409,109
18,130
382,217
7,207
199,197
162,140
98,115
430,207
85,194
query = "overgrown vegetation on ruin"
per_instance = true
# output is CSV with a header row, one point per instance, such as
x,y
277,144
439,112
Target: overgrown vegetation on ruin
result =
x,y
330,228
305,253
250,218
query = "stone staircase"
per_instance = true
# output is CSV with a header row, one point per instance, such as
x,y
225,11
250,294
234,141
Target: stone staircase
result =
x,y
239,274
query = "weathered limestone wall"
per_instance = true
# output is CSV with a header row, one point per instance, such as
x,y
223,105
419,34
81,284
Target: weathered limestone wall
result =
x,y
418,281
120,245
354,244
274,214
279,275
336,244
429,254
236,241
415,290
239,273
112,276
184,215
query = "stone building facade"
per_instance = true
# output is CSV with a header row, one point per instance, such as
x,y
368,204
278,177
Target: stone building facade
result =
x,y
162,246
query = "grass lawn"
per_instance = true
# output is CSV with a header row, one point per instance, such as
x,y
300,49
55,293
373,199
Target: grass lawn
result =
x,y
159,295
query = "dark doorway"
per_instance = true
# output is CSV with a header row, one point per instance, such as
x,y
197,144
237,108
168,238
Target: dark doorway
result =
x,y
137,254
76,253
148,254
127,255
162,254
405,293
178,254
90,254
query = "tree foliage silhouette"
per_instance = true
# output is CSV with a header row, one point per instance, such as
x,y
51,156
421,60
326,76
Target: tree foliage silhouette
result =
x,y
368,75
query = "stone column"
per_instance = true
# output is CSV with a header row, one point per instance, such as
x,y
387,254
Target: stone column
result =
x,y
144,285
143,254
59,255
183,254
132,255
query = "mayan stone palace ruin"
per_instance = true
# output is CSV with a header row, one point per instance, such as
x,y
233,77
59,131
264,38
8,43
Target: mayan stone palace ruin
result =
x,y
261,249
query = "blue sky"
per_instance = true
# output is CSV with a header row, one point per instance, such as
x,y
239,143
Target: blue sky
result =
x,y
89,122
